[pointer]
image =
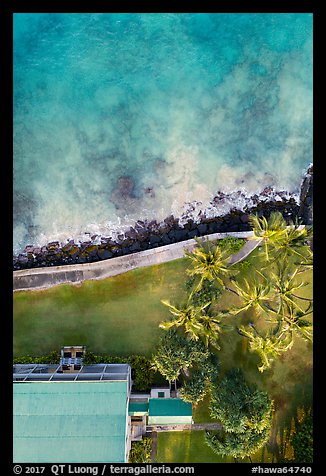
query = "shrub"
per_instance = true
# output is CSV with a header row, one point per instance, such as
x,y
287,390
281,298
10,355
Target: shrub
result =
x,y
231,244
143,372
209,291
140,451
51,358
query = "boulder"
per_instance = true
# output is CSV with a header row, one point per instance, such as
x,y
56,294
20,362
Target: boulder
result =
x,y
306,198
135,247
131,233
192,234
154,239
104,254
244,218
202,228
166,240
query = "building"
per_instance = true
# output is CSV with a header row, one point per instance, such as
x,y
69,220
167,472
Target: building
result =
x,y
75,413
157,409
75,416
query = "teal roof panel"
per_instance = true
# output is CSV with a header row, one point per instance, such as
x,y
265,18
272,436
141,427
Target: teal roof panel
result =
x,y
169,407
138,408
70,421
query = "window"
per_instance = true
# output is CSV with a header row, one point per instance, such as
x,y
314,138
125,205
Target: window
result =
x,y
161,394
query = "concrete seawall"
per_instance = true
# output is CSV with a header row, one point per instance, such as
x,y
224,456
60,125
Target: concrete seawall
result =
x,y
42,278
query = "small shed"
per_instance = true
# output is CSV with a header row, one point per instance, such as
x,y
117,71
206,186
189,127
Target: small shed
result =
x,y
160,392
169,411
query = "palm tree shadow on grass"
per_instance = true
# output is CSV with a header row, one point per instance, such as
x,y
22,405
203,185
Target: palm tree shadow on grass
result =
x,y
288,409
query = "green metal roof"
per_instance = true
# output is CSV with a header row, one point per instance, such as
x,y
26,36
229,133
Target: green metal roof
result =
x,y
138,408
169,407
70,421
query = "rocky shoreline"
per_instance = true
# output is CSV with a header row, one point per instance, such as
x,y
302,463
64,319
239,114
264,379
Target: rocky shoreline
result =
x,y
145,235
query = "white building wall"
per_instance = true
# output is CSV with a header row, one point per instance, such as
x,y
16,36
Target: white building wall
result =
x,y
155,392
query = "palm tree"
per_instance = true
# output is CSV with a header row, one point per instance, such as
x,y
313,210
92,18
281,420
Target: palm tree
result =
x,y
270,232
254,295
267,347
285,286
187,317
209,263
211,328
297,322
305,265
294,242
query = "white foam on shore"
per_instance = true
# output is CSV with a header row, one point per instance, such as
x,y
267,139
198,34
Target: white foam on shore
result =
x,y
194,210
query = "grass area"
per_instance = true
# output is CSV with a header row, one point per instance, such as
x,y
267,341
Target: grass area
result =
x,y
184,447
120,316
117,315
200,412
190,447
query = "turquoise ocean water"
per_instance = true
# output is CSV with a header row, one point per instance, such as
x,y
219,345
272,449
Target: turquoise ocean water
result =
x,y
119,117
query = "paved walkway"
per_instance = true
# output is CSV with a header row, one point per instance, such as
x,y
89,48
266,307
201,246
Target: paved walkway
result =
x,y
245,251
41,278
154,447
194,426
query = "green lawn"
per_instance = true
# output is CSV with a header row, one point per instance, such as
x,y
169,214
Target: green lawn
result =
x,y
184,447
118,315
190,447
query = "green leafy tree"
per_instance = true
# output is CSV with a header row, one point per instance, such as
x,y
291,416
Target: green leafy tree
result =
x,y
194,388
205,371
302,441
245,413
209,292
237,445
231,244
238,406
175,353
